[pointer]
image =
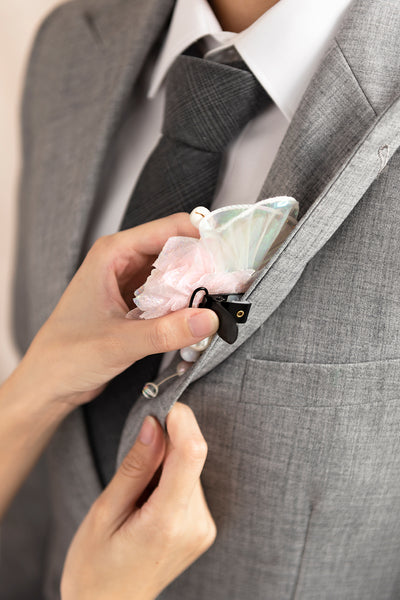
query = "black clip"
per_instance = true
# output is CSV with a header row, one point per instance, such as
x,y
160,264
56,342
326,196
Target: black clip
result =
x,y
229,312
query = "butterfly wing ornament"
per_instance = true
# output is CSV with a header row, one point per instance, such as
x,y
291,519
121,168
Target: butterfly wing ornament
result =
x,y
235,242
240,237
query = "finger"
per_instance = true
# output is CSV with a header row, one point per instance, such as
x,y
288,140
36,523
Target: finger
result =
x,y
184,462
128,251
171,332
151,237
199,512
118,500
121,262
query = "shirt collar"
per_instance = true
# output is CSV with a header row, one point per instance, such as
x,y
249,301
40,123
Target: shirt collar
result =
x,y
283,48
190,21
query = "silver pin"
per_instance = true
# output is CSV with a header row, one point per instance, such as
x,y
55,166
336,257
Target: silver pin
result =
x,y
151,389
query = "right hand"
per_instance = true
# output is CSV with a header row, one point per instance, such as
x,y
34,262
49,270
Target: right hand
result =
x,y
87,340
123,552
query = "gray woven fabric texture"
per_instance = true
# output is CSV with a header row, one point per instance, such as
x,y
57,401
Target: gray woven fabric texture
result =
x,y
302,413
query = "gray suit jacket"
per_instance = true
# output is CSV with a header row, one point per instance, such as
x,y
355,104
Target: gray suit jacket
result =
x,y
302,414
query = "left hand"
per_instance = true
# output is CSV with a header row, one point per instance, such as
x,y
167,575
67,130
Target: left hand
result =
x,y
87,340
122,551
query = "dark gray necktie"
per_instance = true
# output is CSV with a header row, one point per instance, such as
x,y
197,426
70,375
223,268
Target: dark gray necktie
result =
x,y
207,106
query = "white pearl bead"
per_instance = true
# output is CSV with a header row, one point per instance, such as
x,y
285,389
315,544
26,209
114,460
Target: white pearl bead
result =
x,y
202,345
198,214
182,368
189,354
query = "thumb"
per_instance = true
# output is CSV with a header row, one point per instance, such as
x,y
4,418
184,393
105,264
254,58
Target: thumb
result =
x,y
171,332
134,475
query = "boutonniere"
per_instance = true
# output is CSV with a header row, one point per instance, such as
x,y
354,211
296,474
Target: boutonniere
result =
x,y
214,270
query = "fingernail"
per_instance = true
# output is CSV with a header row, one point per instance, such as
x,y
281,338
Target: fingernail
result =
x,y
148,430
203,323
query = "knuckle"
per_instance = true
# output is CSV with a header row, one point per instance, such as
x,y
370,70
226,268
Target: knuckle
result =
x,y
205,534
182,414
99,511
182,410
212,533
106,244
161,336
195,449
133,465
102,243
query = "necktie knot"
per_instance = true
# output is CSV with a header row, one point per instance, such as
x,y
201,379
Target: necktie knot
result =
x,y
209,103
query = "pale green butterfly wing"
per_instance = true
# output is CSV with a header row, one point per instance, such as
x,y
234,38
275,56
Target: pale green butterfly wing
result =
x,y
240,236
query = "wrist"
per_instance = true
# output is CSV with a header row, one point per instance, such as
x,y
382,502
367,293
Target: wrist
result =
x,y
28,419
57,370
29,388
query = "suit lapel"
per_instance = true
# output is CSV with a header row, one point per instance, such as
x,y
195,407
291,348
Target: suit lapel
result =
x,y
322,220
322,135
112,43
353,85
333,116
335,147
285,268
117,38
328,159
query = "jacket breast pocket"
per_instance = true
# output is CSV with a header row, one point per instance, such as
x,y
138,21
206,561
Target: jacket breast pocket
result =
x,y
319,385
303,467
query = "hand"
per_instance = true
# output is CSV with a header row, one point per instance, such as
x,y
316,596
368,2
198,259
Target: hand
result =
x,y
121,551
87,340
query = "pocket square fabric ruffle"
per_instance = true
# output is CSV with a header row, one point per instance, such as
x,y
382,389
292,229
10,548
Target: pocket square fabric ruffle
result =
x,y
235,242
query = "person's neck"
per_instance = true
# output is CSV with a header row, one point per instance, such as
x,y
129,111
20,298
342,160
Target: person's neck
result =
x,y
236,15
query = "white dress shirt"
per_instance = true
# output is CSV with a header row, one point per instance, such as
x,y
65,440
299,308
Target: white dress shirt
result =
x,y
283,49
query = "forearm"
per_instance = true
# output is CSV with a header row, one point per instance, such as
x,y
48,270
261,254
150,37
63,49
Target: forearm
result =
x,y
28,419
